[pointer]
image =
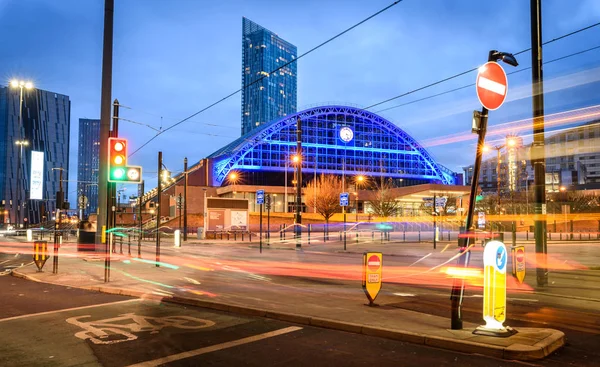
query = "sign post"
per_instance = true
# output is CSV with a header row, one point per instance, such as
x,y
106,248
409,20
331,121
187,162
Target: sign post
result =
x,y
40,254
518,262
495,261
344,201
260,200
268,207
372,265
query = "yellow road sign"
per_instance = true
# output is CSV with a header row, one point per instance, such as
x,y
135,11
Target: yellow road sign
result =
x,y
518,263
494,284
372,265
40,253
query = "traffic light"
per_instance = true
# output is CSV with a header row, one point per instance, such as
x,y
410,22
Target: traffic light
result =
x,y
118,170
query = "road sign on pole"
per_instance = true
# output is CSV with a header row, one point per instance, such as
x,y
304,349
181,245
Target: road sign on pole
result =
x,y
260,196
344,199
372,264
492,85
518,263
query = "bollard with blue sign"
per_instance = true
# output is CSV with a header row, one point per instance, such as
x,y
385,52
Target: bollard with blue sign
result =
x,y
495,259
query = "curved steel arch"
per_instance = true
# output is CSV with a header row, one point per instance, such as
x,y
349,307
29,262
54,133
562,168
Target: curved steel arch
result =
x,y
230,157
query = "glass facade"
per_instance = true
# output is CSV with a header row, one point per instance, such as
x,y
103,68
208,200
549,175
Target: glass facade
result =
x,y
88,162
274,96
335,140
46,128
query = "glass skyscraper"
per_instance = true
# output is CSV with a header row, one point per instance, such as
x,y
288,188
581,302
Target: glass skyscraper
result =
x,y
45,128
88,161
274,96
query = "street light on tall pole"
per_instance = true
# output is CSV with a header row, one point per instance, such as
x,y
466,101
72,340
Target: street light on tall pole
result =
x,y
27,86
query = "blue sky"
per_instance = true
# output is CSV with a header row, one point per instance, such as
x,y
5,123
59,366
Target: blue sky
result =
x,y
172,58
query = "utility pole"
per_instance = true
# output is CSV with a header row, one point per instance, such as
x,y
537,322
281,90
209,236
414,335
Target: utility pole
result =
x,y
185,186
299,184
434,221
106,93
158,193
59,203
111,187
180,207
141,205
538,158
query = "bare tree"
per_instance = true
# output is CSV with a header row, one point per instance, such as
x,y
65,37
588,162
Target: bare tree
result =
x,y
323,194
384,203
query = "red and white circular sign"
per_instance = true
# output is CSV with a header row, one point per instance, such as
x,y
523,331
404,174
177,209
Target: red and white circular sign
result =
x,y
491,85
520,255
374,263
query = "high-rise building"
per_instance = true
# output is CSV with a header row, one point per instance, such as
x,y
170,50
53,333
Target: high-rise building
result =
x,y
275,95
88,161
45,128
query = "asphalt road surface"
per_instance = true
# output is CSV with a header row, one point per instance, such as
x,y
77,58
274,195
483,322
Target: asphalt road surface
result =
x,y
46,325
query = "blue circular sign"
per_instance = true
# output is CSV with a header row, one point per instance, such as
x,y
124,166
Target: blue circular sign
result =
x,y
501,258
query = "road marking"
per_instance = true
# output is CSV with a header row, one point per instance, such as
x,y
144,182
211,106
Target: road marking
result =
x,y
214,348
69,309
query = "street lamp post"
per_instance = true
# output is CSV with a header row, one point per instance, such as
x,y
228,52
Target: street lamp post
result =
x,y
360,179
457,293
21,144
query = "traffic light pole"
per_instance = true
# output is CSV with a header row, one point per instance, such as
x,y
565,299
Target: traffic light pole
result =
x,y
158,194
299,184
537,159
141,205
106,93
185,186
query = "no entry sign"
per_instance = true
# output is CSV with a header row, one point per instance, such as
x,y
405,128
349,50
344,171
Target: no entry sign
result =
x,y
374,263
492,85
372,275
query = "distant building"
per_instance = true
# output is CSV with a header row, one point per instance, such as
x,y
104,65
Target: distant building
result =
x,y
274,96
88,161
46,129
572,160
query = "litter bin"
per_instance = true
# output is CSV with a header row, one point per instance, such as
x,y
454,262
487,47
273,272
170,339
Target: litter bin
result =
x,y
199,232
87,237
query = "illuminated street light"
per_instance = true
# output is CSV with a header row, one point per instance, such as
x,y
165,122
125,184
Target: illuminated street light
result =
x,y
562,189
295,159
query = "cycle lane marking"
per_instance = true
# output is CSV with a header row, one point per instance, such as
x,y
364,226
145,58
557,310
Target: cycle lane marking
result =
x,y
216,347
69,309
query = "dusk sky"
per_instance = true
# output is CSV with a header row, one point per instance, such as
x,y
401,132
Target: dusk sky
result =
x,y
173,58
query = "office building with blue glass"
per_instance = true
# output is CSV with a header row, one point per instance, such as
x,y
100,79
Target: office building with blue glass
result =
x,y
88,162
266,95
45,128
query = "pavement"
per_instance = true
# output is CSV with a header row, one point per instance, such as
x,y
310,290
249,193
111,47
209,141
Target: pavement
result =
x,y
316,292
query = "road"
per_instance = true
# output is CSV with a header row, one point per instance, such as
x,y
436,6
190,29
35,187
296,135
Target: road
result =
x,y
47,325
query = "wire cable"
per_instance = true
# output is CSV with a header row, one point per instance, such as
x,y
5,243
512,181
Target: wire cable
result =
x,y
266,76
473,84
475,68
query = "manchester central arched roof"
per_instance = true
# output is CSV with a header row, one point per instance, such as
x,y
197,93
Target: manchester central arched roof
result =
x,y
378,147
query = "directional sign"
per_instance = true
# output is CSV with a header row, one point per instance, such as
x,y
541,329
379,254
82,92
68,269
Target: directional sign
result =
x,y
494,284
492,85
40,253
372,265
481,220
439,201
518,263
344,199
260,196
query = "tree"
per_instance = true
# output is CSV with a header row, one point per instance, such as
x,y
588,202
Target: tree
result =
x,y
323,194
384,203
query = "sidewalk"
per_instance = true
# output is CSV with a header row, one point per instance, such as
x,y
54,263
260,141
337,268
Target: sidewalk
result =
x,y
325,302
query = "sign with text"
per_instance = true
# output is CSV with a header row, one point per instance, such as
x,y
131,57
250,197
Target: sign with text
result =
x,y
372,266
36,191
518,263
481,220
439,201
260,197
344,199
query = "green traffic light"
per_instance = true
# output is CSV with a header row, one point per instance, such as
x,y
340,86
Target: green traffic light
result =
x,y
118,173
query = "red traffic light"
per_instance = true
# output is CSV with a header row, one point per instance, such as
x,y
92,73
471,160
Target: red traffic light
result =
x,y
117,152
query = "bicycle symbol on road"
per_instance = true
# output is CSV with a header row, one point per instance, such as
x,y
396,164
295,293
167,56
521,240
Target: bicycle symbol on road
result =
x,y
120,329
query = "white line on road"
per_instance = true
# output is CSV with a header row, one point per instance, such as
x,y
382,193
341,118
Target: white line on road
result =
x,y
214,348
68,309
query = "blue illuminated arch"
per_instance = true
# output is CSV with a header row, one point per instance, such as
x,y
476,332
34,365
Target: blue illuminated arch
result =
x,y
378,147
